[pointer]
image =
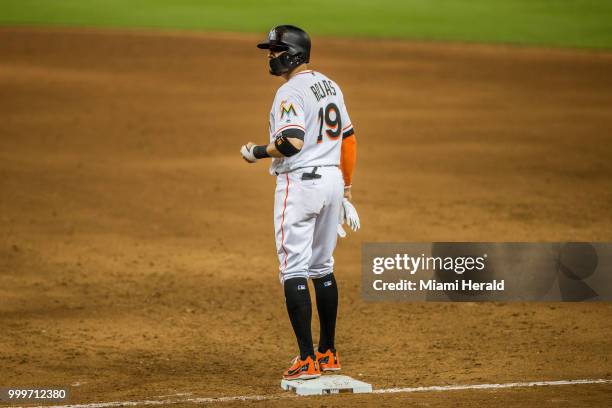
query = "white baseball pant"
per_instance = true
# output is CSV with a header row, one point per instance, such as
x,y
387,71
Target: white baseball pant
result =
x,y
306,215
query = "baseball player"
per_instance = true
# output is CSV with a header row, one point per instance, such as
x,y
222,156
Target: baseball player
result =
x,y
313,152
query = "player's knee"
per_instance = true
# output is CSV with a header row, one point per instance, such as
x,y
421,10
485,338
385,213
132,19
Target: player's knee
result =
x,y
320,273
290,275
321,269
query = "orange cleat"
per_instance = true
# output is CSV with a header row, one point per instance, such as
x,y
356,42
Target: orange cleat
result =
x,y
329,361
302,369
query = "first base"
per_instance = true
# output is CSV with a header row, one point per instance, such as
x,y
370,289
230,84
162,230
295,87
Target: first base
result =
x,y
326,384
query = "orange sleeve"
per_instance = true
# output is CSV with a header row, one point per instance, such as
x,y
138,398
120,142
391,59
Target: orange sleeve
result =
x,y
348,158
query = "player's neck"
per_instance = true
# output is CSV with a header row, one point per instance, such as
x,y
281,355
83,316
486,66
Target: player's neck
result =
x,y
297,70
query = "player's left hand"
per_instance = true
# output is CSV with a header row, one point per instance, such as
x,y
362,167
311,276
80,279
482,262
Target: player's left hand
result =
x,y
347,193
247,152
350,215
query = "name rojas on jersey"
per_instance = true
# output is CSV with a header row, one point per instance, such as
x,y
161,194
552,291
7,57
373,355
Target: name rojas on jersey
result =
x,y
312,102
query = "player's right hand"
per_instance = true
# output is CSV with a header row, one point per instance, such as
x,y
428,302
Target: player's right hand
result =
x,y
247,152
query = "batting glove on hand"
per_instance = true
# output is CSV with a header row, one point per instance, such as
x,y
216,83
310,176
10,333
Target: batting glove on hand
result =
x,y
350,215
247,152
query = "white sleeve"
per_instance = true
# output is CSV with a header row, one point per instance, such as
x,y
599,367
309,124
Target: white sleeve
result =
x,y
288,111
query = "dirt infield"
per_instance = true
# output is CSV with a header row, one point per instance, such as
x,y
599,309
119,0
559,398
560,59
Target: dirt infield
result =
x,y
137,255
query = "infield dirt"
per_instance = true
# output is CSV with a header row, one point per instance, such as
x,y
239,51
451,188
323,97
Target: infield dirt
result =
x,y
137,255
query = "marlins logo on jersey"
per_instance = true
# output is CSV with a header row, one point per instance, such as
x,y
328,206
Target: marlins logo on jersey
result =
x,y
286,110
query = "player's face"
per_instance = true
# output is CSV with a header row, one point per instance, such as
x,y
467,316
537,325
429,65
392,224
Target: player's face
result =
x,y
276,66
274,54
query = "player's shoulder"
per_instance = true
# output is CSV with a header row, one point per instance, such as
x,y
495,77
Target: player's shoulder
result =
x,y
308,77
322,78
304,81
289,89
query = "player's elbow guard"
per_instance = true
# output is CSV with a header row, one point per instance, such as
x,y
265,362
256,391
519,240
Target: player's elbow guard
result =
x,y
284,145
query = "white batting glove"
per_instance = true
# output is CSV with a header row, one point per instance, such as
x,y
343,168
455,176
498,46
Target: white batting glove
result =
x,y
247,153
350,215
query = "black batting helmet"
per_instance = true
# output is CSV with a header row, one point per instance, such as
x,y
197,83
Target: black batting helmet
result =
x,y
292,39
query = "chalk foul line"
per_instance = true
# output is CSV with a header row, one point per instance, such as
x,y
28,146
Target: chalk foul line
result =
x,y
491,386
433,388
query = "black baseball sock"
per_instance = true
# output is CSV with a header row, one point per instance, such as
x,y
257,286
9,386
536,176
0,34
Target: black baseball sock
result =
x,y
299,308
327,306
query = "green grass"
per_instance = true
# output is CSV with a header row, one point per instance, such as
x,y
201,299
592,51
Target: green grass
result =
x,y
566,23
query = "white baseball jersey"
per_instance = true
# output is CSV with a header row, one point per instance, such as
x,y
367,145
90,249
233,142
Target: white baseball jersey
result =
x,y
312,102
307,206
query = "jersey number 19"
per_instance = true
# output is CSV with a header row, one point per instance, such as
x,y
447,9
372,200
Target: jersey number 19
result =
x,y
333,125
